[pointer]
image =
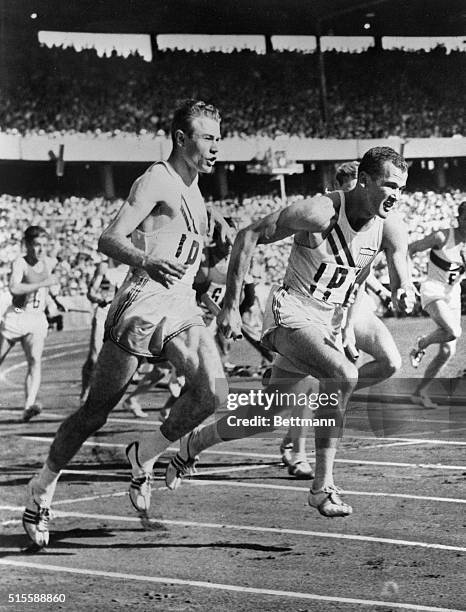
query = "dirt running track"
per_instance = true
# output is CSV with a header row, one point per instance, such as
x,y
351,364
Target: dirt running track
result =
x,y
239,536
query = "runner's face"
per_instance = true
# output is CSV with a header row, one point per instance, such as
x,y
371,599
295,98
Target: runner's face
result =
x,y
385,190
462,219
37,248
201,147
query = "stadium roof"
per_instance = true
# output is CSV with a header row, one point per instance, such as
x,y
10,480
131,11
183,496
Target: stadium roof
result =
x,y
337,17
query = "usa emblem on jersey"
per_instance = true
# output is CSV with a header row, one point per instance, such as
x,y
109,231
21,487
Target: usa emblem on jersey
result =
x,y
366,255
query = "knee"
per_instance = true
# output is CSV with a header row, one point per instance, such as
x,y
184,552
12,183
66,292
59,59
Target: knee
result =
x,y
347,376
33,362
392,363
447,351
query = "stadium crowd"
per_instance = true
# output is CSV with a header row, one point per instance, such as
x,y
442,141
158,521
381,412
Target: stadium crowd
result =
x,y
76,223
375,94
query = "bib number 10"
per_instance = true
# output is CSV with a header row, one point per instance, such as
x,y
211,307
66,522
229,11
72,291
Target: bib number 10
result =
x,y
333,280
191,255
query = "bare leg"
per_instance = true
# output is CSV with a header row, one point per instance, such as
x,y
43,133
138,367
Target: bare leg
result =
x,y
446,351
33,347
95,345
115,368
194,354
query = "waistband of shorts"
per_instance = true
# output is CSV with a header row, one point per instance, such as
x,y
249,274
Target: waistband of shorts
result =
x,y
309,299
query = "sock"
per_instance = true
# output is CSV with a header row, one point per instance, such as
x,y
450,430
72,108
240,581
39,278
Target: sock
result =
x,y
205,437
151,448
45,483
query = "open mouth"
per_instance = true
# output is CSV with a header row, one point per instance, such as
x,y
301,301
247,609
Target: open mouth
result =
x,y
388,204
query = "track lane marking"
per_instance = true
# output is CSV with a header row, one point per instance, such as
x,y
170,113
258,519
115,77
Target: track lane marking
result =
x,y
430,466
223,587
255,529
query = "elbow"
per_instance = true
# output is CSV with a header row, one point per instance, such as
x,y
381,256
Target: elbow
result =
x,y
103,244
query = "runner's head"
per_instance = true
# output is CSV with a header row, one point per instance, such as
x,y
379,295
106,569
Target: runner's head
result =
x,y
195,134
382,175
346,176
35,240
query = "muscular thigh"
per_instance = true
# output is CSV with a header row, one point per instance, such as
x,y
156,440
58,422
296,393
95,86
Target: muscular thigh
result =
x,y
310,350
195,355
33,346
115,368
373,337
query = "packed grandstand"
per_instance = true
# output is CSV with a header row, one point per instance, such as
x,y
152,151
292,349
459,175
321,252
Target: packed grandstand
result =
x,y
398,93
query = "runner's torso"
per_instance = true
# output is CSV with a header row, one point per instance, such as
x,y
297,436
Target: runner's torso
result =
x,y
446,265
35,301
325,266
179,226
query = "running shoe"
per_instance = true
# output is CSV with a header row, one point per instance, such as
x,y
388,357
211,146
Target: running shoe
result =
x,y
424,401
328,502
301,470
182,464
416,355
36,516
32,411
140,485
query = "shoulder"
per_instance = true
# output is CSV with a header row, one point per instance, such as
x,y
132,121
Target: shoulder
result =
x,y
154,182
318,211
19,263
50,263
395,231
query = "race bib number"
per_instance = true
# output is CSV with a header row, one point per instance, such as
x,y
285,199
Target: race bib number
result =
x,y
333,283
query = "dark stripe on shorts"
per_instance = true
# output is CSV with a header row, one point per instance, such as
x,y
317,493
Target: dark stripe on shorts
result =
x,y
186,326
276,303
132,295
333,246
185,204
344,244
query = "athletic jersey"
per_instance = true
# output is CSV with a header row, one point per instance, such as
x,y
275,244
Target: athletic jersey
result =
x,y
182,238
446,265
217,276
111,281
329,270
36,301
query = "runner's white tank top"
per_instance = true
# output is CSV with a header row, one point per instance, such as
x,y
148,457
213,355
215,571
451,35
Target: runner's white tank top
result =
x,y
328,271
182,238
446,265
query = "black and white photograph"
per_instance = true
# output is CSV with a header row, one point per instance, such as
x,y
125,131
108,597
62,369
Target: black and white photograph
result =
x,y
232,296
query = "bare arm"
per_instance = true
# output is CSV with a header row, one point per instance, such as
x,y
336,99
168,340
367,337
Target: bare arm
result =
x,y
93,294
432,241
395,245
312,215
115,241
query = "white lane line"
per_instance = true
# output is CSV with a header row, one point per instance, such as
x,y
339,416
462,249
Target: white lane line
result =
x,y
389,445
423,441
198,480
256,529
277,458
225,587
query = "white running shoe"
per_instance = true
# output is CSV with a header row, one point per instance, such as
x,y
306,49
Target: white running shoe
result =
x,y
423,400
301,469
140,485
328,502
416,355
32,411
182,464
36,516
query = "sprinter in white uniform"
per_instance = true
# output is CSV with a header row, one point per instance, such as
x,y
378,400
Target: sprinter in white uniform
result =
x,y
336,237
371,336
108,277
25,320
158,232
441,299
